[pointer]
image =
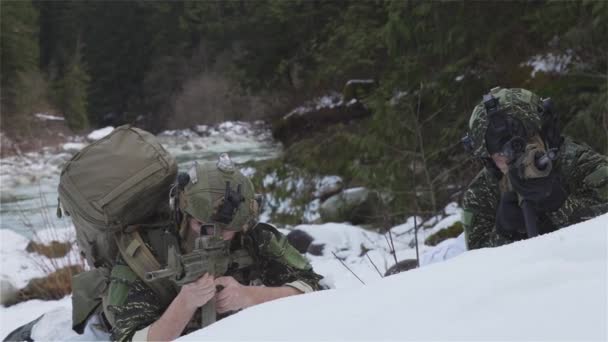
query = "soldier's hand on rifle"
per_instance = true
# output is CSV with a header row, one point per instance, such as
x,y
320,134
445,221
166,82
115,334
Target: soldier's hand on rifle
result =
x,y
509,217
198,293
232,297
545,193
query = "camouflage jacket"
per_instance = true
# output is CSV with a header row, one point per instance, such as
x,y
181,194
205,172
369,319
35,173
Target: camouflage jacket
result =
x,y
271,267
584,175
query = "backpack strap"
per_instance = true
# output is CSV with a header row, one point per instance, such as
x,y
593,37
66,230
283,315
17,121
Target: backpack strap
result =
x,y
140,259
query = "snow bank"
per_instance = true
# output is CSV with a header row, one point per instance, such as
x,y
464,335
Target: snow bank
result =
x,y
23,313
553,287
100,133
350,244
20,266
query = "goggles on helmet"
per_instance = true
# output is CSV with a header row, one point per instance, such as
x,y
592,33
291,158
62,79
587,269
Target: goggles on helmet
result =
x,y
504,134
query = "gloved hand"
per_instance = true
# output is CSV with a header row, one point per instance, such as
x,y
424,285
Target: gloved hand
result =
x,y
545,193
510,218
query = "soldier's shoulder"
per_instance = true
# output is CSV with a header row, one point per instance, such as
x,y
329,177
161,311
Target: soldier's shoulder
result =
x,y
272,244
263,233
484,184
573,152
577,160
483,178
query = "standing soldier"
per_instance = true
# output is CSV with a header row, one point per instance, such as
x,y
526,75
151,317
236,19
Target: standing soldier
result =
x,y
534,180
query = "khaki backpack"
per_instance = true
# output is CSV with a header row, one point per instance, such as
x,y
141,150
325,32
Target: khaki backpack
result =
x,y
119,180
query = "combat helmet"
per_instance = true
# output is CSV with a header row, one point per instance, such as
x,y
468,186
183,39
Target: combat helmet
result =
x,y
218,194
515,109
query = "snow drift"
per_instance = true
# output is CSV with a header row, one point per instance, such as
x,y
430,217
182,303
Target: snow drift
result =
x,y
553,287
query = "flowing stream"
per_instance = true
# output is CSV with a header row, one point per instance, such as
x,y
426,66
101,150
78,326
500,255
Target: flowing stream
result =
x,y
28,183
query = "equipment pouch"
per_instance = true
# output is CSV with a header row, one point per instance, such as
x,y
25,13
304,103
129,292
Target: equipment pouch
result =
x,y
87,291
120,280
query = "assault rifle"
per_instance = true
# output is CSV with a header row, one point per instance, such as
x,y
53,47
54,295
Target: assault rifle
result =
x,y
530,161
210,255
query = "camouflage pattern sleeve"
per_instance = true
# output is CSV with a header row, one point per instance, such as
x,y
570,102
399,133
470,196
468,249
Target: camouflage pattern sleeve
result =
x,y
479,215
140,309
585,175
279,262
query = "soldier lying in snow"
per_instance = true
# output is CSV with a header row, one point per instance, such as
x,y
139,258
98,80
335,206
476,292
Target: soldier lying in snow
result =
x,y
259,265
217,258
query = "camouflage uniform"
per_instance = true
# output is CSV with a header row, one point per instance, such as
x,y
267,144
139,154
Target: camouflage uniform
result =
x,y
583,174
142,307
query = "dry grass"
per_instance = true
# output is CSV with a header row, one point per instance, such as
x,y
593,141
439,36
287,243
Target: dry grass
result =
x,y
53,286
54,253
54,249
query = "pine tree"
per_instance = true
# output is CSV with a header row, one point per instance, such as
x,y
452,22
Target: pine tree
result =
x,y
19,60
71,93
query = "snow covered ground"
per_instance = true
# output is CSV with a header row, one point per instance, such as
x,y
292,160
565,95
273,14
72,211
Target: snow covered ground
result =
x,y
18,266
553,287
345,243
550,288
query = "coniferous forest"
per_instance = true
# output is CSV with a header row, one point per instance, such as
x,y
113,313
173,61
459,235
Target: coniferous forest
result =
x,y
173,64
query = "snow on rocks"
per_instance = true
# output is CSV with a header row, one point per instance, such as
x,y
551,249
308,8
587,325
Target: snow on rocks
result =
x,y
248,171
73,147
446,249
328,185
100,133
350,244
281,193
48,117
552,287
550,63
330,100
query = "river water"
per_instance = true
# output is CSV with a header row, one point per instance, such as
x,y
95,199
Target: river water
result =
x,y
28,183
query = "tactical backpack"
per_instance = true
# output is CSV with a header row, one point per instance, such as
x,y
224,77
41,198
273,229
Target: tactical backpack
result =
x,y
119,180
